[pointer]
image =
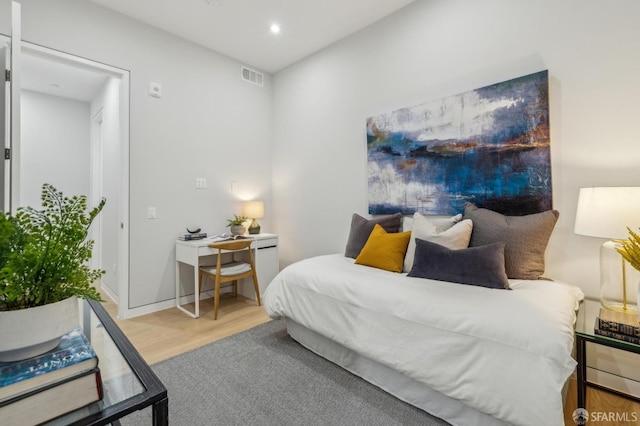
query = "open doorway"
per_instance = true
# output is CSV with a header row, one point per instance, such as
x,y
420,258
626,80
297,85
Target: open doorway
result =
x,y
74,135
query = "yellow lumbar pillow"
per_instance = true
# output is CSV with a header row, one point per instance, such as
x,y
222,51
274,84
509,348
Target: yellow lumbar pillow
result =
x,y
384,250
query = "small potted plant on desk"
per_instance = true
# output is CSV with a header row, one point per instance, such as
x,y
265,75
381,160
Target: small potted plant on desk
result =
x,y
43,270
237,224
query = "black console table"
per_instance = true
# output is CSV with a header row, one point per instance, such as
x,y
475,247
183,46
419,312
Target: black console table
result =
x,y
128,381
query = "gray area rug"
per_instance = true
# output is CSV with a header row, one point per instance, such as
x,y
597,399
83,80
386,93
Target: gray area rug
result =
x,y
263,377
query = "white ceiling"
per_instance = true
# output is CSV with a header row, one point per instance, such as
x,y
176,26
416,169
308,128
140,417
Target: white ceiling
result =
x,y
240,28
236,28
59,79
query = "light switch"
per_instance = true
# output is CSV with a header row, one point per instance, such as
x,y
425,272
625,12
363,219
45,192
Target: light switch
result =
x,y
201,183
151,213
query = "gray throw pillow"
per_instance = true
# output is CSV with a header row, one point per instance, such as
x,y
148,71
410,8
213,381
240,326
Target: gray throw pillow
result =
x,y
361,228
480,266
425,228
525,238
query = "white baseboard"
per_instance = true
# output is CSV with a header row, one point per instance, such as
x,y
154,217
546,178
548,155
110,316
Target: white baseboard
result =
x,y
109,293
161,306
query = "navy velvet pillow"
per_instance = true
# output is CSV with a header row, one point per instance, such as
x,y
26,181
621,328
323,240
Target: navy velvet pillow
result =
x,y
481,266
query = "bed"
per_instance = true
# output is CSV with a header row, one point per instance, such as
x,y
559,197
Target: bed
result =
x,y
465,353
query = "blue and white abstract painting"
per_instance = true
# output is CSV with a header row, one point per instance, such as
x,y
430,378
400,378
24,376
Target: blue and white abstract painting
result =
x,y
489,146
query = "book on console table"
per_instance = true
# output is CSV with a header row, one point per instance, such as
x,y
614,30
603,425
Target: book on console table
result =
x,y
618,322
73,356
46,386
53,400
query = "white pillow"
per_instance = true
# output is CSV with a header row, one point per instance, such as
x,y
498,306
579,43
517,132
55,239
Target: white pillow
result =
x,y
441,222
455,236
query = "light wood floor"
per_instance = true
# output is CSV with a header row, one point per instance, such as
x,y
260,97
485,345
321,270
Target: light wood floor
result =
x,y
165,334
601,401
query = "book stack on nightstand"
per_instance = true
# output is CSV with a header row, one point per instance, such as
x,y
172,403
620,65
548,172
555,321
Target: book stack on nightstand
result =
x,y
41,388
618,325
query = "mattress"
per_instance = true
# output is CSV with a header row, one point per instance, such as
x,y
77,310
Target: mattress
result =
x,y
503,353
402,387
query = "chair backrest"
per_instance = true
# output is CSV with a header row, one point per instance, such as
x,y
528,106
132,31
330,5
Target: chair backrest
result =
x,y
233,245
220,277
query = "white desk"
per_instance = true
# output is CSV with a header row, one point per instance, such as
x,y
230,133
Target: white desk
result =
x,y
265,248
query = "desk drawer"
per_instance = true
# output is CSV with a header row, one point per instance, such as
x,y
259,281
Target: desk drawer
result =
x,y
266,242
261,243
206,251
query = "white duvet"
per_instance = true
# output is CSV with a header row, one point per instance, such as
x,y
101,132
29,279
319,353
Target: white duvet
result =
x,y
504,353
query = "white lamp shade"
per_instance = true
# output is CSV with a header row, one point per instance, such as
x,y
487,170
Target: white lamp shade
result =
x,y
606,212
254,209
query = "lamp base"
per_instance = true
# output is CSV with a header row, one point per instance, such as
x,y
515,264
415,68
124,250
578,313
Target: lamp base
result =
x,y
618,284
618,307
254,228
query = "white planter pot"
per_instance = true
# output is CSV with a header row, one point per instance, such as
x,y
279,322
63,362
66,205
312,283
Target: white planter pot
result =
x,y
238,230
26,333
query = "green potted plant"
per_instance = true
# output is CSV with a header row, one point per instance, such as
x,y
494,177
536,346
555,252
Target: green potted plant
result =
x,y
237,224
43,270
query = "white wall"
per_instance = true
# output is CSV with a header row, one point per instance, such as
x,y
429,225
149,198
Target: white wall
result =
x,y
313,135
209,123
436,48
55,146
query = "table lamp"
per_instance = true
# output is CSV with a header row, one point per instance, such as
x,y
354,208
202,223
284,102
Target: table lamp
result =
x,y
606,212
254,210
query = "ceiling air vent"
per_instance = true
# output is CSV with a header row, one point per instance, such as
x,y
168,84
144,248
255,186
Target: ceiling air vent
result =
x,y
252,76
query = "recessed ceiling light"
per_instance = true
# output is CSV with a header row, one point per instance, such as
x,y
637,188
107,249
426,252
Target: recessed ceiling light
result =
x,y
275,28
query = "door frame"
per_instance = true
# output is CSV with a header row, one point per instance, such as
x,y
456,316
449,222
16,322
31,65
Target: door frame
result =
x,y
15,40
5,127
123,202
95,184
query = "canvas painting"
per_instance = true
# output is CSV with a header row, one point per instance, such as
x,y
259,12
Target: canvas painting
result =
x,y
489,146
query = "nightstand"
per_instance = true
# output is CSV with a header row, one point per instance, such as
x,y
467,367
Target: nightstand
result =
x,y
585,324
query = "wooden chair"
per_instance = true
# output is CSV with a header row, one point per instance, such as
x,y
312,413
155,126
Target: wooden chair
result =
x,y
231,271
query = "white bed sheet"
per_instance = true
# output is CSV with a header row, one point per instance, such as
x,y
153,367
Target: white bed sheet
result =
x,y
504,353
